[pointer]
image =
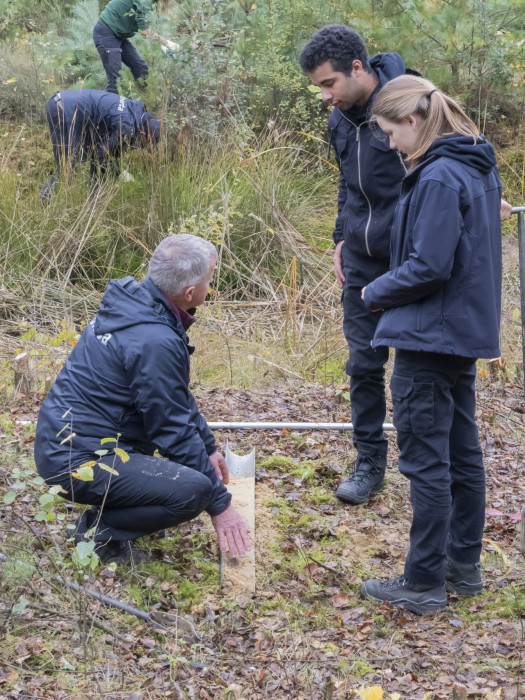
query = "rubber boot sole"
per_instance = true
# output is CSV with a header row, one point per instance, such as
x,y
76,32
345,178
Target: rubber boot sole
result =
x,y
463,588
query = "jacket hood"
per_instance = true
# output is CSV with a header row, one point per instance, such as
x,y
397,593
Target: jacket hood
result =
x,y
479,155
129,303
387,66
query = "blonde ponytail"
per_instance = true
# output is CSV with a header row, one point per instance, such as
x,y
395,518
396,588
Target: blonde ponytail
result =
x,y
441,115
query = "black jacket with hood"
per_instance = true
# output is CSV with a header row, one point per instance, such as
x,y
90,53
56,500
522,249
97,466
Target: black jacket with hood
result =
x,y
443,292
101,122
370,173
128,376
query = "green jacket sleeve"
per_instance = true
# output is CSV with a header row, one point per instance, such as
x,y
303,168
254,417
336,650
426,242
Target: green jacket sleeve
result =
x,y
142,10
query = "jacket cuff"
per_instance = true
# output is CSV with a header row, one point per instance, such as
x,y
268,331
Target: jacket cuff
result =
x,y
219,504
369,302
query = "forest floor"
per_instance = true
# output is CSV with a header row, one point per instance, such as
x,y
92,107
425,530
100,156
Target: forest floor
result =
x,y
306,633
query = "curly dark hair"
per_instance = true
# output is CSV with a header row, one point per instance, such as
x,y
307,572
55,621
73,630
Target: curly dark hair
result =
x,y
335,43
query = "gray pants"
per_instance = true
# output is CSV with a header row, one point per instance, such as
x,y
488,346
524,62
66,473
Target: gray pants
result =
x,y
114,52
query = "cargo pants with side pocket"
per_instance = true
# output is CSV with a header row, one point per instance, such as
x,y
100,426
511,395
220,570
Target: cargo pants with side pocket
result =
x,y
115,51
434,414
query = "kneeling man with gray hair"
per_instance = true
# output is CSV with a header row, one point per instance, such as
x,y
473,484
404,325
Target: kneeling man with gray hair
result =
x,y
127,380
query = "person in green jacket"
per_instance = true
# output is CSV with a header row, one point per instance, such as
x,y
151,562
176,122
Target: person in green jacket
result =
x,y
118,22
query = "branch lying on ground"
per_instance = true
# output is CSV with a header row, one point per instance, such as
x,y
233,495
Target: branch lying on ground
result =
x,y
150,618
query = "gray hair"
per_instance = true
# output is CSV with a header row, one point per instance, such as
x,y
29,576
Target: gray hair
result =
x,y
180,261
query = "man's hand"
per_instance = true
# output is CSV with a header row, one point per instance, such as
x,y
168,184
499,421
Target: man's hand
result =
x,y
219,464
505,210
232,532
171,45
338,264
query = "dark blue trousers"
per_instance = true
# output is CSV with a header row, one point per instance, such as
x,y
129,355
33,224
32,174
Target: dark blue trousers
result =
x,y
434,414
366,365
69,137
76,139
114,52
149,494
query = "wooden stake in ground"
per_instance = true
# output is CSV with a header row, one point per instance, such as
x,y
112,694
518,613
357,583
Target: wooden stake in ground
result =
x,y
522,536
238,574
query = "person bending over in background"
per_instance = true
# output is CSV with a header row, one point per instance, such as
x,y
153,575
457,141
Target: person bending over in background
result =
x,y
336,59
118,22
441,304
97,124
127,379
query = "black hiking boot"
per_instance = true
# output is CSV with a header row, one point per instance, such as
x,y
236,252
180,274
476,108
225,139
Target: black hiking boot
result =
x,y
118,551
368,478
122,552
463,579
399,591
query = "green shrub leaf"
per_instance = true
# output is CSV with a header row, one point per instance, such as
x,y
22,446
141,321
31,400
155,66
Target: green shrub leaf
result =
x,y
46,498
122,454
20,606
91,463
106,468
84,474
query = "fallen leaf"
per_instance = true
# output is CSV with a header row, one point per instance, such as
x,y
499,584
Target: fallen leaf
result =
x,y
375,692
340,601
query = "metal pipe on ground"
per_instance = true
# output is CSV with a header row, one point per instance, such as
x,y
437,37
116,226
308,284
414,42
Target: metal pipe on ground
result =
x,y
262,425
520,211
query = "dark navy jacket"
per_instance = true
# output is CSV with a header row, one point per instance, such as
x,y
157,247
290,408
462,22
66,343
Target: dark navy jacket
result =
x,y
128,374
443,292
104,120
370,173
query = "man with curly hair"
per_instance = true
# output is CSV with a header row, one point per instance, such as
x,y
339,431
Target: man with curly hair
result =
x,y
336,59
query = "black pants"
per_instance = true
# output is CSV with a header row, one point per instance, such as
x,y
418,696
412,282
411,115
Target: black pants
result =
x,y
149,494
365,366
434,413
114,52
67,136
75,140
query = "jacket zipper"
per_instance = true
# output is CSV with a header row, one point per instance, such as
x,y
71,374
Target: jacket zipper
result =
x,y
357,134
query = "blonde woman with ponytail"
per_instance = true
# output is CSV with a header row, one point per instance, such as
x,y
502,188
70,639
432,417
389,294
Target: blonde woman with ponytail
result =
x,y
440,305
117,23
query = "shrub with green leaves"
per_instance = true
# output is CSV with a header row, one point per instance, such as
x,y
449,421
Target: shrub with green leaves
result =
x,y
17,16
239,61
25,82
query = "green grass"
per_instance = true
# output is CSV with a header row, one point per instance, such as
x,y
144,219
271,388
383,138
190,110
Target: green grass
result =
x,y
253,202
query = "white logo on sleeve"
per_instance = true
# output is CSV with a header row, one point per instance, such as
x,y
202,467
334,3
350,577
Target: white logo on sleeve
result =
x,y
104,339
